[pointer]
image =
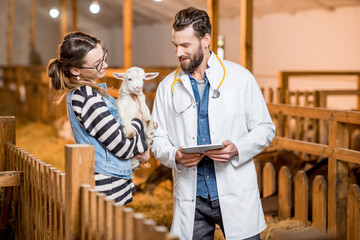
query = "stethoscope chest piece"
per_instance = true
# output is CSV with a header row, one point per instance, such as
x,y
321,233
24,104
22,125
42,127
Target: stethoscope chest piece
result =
x,y
216,93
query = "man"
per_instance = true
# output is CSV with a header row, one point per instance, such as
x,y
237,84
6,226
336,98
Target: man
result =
x,y
208,101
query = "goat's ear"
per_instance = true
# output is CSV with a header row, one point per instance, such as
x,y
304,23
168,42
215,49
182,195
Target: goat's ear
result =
x,y
121,76
149,76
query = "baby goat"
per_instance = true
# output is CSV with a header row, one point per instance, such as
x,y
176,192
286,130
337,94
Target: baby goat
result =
x,y
127,107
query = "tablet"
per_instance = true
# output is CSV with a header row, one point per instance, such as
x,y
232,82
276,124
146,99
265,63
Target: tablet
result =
x,y
201,148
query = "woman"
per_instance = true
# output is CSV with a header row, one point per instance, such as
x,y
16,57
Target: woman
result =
x,y
93,117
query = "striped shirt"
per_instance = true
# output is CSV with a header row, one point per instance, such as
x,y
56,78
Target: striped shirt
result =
x,y
117,189
92,112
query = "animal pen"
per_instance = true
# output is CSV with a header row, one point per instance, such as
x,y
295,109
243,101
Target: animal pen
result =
x,y
51,204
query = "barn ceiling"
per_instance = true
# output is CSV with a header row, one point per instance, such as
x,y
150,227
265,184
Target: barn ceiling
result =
x,y
150,12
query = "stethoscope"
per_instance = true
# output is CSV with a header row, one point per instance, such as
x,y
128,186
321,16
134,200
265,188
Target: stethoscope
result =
x,y
216,92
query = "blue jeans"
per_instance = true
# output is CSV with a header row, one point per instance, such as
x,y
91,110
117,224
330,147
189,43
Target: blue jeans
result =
x,y
207,214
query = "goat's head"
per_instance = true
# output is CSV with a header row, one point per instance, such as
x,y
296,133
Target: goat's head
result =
x,y
134,79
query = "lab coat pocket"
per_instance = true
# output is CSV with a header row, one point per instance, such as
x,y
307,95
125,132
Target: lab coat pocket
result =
x,y
234,102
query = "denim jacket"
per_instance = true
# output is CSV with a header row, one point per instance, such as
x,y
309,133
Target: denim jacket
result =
x,y
105,162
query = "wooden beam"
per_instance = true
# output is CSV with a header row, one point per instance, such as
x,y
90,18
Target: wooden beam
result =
x,y
213,11
127,33
11,179
74,15
246,39
63,18
10,33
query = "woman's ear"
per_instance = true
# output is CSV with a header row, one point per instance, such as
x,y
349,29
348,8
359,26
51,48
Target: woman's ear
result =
x,y
75,71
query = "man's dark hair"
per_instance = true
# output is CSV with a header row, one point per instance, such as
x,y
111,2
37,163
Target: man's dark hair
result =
x,y
196,18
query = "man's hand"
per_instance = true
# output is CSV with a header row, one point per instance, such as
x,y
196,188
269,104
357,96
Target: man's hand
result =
x,y
188,159
143,157
224,154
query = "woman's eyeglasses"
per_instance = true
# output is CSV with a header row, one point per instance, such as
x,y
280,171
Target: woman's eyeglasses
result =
x,y
101,63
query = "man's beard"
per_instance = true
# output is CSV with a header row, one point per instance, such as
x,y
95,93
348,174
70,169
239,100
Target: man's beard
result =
x,y
194,63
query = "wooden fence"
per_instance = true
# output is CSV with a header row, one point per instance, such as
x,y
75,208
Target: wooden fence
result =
x,y
49,204
337,151
297,199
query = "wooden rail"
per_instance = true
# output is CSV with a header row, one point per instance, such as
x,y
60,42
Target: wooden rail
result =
x,y
49,204
285,76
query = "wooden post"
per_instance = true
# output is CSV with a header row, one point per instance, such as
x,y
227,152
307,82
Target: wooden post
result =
x,y
213,12
139,232
160,232
319,202
63,18
301,197
246,15
358,87
7,134
84,209
109,219
10,33
268,179
283,85
338,180
284,193
128,223
100,202
92,214
127,32
118,227
32,32
79,169
74,15
149,226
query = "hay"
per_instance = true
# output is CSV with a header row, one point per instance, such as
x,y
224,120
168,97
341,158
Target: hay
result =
x,y
157,206
290,229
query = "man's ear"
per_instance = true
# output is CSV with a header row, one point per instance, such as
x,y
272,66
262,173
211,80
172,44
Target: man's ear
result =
x,y
74,71
206,40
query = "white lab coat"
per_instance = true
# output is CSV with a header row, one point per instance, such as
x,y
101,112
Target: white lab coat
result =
x,y
240,115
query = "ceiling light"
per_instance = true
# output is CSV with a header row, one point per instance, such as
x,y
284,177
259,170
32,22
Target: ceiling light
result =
x,y
95,7
157,0
54,12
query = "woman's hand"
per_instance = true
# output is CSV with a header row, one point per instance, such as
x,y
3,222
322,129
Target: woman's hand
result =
x,y
136,100
143,157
